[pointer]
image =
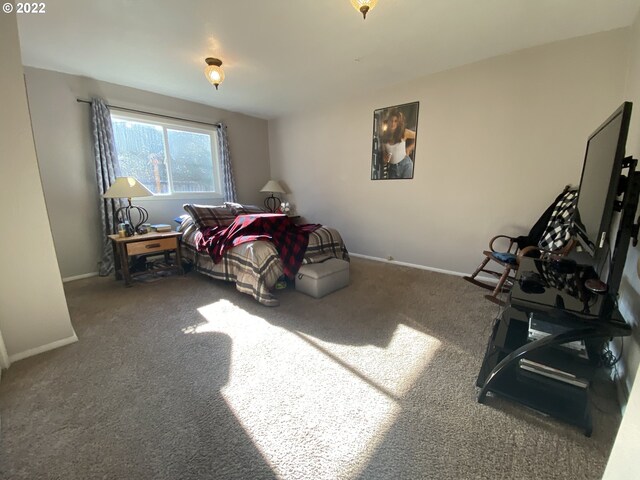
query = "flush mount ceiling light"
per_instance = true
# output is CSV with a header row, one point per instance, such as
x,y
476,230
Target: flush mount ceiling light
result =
x,y
214,72
363,6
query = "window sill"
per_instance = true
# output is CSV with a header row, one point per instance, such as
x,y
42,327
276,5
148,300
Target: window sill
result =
x,y
214,196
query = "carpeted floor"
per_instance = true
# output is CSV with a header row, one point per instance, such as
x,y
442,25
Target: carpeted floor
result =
x,y
186,378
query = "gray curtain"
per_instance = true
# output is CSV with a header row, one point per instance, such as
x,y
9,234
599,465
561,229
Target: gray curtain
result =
x,y
228,182
107,169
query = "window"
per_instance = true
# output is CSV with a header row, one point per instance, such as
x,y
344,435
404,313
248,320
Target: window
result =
x,y
167,158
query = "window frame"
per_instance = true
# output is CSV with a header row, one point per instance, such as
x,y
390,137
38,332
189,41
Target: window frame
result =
x,y
185,126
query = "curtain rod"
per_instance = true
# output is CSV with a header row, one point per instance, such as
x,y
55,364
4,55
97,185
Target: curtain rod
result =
x,y
132,110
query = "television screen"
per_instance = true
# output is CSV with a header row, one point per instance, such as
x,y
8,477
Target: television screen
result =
x,y
599,181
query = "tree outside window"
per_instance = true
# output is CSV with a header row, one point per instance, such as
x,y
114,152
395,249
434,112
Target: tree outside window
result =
x,y
166,158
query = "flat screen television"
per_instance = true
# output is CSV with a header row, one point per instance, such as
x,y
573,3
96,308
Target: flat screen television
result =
x,y
598,190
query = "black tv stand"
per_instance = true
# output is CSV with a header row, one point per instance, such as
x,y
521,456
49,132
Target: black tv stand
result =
x,y
579,315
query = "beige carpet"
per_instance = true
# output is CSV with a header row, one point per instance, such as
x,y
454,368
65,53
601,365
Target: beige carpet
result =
x,y
186,378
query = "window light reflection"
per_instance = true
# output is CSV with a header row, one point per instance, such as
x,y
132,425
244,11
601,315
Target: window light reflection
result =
x,y
311,405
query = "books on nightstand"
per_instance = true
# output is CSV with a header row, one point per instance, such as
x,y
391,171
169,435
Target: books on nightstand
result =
x,y
161,227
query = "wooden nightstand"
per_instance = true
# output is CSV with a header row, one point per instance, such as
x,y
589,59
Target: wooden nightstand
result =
x,y
155,243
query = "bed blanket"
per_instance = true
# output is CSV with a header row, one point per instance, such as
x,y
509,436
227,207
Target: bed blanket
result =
x,y
289,239
255,267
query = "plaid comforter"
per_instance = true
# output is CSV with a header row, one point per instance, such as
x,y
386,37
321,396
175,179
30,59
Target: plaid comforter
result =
x,y
255,267
289,239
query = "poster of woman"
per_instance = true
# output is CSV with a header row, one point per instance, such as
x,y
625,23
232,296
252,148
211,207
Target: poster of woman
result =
x,y
395,132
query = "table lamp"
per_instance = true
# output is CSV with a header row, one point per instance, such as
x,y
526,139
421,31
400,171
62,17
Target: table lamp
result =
x,y
272,203
129,187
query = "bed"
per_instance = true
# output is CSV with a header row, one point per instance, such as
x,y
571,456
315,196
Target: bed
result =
x,y
254,266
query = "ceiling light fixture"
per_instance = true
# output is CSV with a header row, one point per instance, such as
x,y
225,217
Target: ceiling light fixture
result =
x,y
214,72
363,6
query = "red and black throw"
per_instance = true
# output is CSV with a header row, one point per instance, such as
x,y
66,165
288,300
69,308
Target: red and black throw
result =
x,y
289,239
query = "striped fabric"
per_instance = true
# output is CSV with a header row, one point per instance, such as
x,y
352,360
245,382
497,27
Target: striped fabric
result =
x,y
289,239
255,267
210,216
325,243
240,209
228,182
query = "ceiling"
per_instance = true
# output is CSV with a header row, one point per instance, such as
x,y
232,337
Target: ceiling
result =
x,y
283,56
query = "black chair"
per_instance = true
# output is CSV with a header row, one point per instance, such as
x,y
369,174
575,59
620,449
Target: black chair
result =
x,y
550,236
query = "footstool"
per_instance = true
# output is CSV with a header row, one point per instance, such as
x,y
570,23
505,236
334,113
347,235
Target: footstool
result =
x,y
320,279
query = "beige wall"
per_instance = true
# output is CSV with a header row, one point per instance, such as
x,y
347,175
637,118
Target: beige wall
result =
x,y
33,310
497,141
62,134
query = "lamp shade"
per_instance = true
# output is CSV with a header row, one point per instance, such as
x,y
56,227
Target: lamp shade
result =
x,y
127,187
273,187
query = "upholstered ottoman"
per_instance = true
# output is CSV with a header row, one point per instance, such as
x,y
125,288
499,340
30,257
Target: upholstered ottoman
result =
x,y
320,279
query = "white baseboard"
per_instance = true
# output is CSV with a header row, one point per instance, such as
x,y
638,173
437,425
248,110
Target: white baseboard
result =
x,y
79,277
4,357
623,394
422,267
43,348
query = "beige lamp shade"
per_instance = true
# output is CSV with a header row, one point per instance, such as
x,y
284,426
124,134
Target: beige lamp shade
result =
x,y
272,203
127,187
273,187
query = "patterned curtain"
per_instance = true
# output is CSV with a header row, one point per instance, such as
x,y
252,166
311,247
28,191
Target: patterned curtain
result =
x,y
228,182
107,169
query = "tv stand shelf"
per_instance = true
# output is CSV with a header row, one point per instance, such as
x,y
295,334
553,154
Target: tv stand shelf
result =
x,y
548,396
501,372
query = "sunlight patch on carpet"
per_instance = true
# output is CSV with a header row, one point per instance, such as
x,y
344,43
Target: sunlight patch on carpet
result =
x,y
314,409
223,313
394,367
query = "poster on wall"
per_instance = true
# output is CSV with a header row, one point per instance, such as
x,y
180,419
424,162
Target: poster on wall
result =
x,y
395,132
